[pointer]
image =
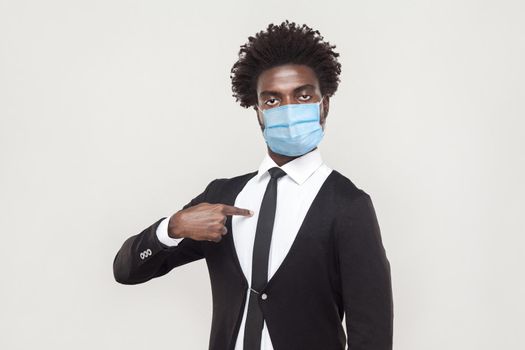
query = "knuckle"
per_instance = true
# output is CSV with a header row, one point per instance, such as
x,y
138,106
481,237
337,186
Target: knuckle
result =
x,y
181,215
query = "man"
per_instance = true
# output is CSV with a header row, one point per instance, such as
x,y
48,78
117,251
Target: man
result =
x,y
294,246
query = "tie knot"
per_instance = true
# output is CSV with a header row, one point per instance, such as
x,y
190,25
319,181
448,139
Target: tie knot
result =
x,y
276,172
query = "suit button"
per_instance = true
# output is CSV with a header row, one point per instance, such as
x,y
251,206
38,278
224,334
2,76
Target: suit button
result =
x,y
264,296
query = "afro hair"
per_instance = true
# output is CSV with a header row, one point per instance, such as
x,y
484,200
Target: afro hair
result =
x,y
286,43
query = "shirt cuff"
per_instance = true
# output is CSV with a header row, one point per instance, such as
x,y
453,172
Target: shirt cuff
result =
x,y
162,234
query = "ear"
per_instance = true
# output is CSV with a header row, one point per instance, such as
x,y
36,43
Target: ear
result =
x,y
324,111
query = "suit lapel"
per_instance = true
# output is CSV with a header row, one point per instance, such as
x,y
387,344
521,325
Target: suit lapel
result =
x,y
308,221
230,200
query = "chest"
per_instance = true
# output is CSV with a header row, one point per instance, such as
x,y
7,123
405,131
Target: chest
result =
x,y
294,203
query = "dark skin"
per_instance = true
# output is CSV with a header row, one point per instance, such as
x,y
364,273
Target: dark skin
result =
x,y
277,86
288,84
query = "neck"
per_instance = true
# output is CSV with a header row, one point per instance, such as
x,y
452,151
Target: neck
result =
x,y
281,159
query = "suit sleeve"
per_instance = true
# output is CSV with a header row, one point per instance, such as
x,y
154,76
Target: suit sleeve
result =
x,y
143,257
365,276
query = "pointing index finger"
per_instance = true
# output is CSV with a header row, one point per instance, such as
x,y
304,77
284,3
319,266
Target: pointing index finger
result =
x,y
231,210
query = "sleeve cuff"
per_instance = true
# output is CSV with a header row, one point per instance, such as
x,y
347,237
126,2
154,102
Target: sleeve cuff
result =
x,y
162,234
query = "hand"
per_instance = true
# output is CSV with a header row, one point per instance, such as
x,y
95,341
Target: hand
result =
x,y
203,222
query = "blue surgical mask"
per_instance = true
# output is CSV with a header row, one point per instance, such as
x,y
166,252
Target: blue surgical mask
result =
x,y
293,129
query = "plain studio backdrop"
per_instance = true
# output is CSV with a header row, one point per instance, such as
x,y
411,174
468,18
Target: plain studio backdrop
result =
x,y
116,113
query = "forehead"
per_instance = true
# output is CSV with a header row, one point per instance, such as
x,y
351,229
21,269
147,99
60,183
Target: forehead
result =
x,y
286,78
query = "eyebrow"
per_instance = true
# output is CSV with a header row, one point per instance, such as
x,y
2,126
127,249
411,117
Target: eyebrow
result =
x,y
302,87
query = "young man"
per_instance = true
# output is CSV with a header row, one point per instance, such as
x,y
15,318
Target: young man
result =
x,y
293,246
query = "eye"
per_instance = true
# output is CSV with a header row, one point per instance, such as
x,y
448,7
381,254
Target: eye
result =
x,y
305,97
272,103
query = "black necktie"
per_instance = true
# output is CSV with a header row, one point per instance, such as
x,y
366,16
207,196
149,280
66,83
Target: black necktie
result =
x,y
261,251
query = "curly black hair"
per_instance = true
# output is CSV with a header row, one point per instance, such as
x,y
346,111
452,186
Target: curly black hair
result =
x,y
283,44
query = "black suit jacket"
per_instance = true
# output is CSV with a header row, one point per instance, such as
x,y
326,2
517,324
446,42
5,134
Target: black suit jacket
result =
x,y
336,265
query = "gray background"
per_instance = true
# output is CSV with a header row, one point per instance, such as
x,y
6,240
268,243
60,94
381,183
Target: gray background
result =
x,y
114,114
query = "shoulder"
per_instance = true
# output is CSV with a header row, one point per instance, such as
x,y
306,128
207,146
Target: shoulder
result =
x,y
229,183
350,201
355,215
346,191
233,180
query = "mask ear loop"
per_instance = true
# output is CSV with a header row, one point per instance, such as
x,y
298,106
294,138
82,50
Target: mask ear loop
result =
x,y
319,105
263,126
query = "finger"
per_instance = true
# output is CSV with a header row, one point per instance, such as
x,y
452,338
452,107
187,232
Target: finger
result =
x,y
216,238
231,210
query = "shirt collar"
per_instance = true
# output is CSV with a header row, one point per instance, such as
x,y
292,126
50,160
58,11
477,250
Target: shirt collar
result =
x,y
299,169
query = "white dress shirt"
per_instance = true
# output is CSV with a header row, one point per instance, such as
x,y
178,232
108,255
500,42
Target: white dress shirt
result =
x,y
295,192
